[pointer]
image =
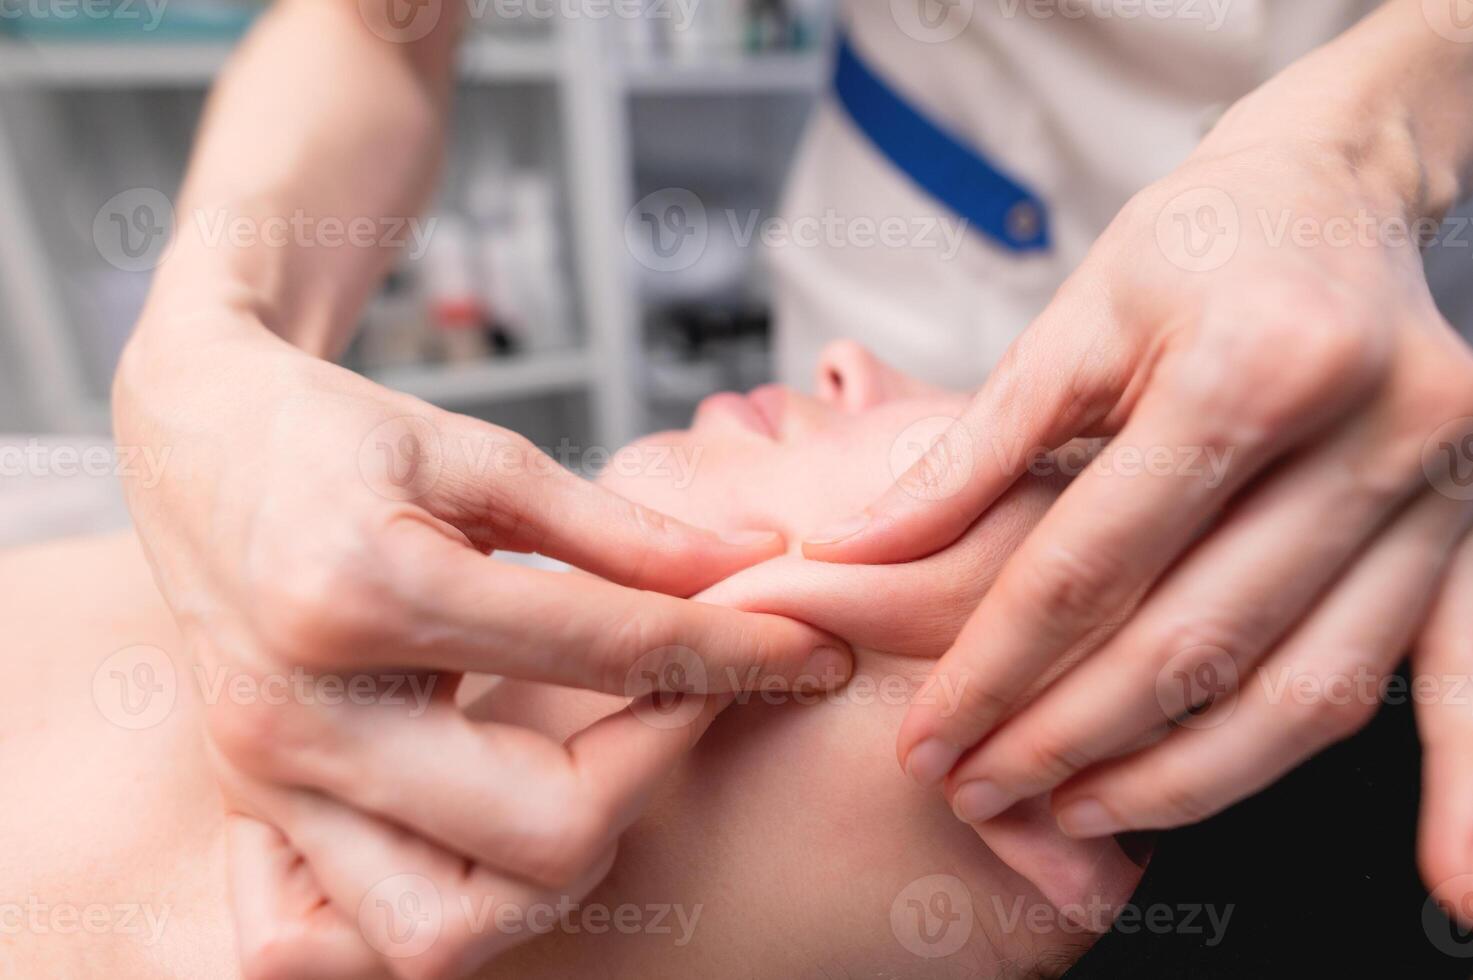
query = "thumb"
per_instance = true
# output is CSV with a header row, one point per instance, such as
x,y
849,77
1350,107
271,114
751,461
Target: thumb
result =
x,y
1053,383
1443,661
539,506
284,925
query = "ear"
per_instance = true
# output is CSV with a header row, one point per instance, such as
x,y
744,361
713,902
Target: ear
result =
x,y
1088,881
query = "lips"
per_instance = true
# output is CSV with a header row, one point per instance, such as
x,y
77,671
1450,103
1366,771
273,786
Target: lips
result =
x,y
760,411
770,401
739,408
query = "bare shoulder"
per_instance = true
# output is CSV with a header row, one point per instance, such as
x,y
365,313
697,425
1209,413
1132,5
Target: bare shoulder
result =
x,y
117,862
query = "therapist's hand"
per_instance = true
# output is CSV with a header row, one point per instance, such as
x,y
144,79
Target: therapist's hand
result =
x,y
1264,531
322,542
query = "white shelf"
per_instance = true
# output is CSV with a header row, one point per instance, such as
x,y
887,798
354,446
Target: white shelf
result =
x,y
776,73
88,64
194,64
492,59
492,380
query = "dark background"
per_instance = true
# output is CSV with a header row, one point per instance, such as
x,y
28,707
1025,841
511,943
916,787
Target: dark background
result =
x,y
1321,872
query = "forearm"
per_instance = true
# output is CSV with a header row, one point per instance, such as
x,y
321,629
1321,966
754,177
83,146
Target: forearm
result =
x,y
320,143
1391,99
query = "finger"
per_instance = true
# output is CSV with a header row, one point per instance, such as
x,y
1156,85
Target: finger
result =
x,y
430,914
1111,534
285,927
529,503
1226,603
1318,687
1443,662
453,609
502,795
1060,378
427,913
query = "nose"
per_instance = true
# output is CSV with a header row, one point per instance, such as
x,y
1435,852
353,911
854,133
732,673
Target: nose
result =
x,y
850,378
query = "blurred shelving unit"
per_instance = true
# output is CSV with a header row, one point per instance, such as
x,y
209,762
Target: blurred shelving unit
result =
x,y
459,385
799,73
594,88
194,64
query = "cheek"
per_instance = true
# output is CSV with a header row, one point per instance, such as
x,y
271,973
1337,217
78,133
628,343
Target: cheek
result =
x,y
694,481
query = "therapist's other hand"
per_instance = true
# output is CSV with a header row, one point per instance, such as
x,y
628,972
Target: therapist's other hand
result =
x,y
316,533
339,893
1262,515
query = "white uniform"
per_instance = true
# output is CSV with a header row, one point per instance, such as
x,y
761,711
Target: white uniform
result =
x,y
1084,103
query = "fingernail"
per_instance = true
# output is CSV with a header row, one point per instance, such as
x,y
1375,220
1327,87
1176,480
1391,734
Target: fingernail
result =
x,y
1088,818
750,539
929,762
980,800
835,533
829,665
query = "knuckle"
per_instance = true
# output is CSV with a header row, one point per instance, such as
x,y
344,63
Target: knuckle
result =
x,y
1051,757
658,537
1182,802
1329,714
562,847
505,503
628,639
1442,388
654,525
978,703
1326,336
1067,585
943,467
1235,377
317,608
262,738
1234,635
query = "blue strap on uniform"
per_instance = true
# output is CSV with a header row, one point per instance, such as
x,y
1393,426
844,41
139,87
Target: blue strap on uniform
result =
x,y
949,170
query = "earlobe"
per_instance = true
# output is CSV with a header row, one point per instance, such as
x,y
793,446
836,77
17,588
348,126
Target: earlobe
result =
x,y
1088,882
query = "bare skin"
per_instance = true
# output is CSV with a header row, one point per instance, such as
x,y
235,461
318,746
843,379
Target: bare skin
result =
x,y
781,832
228,373
1317,369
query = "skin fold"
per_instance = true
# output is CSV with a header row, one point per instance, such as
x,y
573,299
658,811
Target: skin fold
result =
x,y
785,836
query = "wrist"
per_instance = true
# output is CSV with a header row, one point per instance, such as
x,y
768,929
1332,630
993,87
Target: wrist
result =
x,y
205,280
1385,105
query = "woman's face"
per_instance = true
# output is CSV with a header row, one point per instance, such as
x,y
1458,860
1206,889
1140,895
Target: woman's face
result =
x,y
781,777
778,459
775,458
